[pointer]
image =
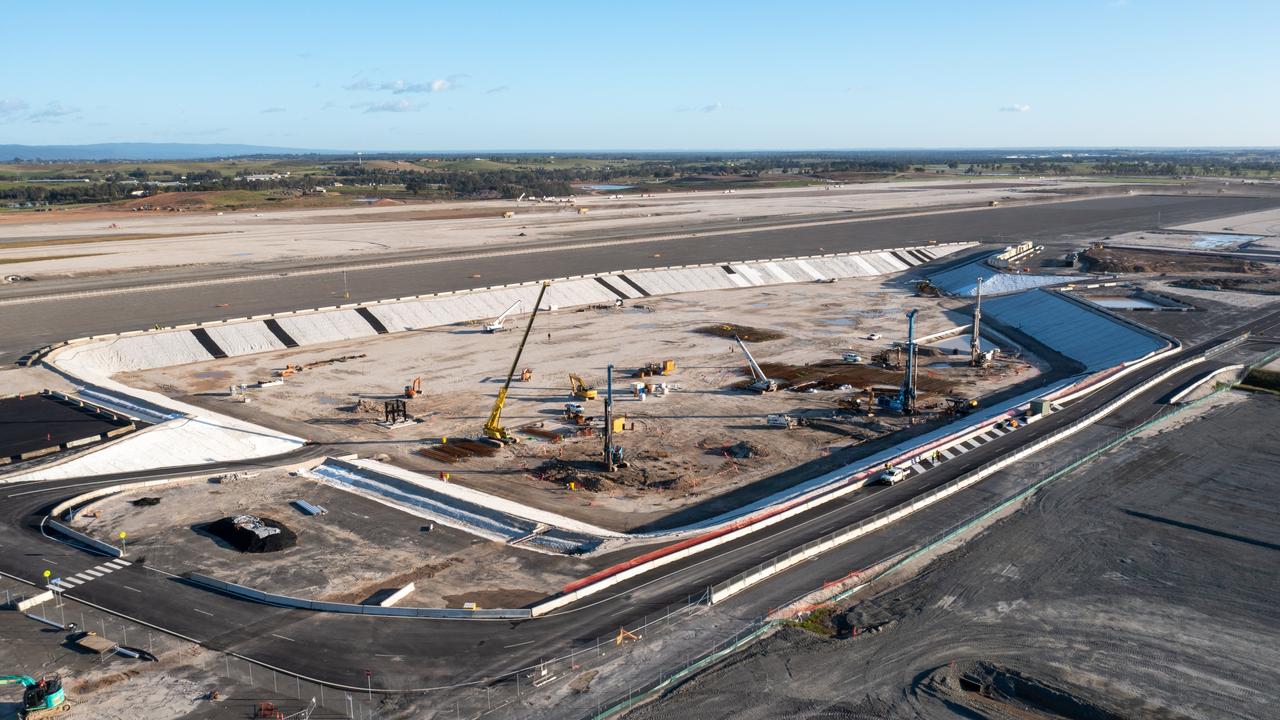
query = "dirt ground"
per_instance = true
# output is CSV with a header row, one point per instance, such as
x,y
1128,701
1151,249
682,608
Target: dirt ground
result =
x,y
360,547
1140,586
683,447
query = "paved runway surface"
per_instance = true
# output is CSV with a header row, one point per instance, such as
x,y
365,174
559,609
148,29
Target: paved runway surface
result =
x,y
29,326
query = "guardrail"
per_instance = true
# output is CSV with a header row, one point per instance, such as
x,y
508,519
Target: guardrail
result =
x,y
724,590
249,593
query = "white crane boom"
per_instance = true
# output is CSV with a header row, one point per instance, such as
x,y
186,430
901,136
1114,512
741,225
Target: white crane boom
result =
x,y
761,383
496,325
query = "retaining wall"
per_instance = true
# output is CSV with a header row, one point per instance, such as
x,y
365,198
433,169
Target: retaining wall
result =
x,y
350,608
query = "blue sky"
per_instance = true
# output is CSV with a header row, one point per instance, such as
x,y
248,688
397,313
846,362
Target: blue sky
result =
x,y
643,75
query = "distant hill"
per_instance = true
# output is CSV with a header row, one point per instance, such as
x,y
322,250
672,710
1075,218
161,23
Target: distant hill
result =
x,y
146,151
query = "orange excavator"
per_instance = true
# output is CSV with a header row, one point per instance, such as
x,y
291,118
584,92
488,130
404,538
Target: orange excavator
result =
x,y
413,390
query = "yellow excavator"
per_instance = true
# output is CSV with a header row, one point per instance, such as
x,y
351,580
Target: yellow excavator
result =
x,y
580,390
493,429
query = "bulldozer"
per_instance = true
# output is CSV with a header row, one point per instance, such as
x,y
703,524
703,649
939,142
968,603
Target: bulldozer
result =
x,y
40,698
666,367
581,390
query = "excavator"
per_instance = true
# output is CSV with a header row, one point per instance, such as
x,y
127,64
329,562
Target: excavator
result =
x,y
493,429
40,698
580,389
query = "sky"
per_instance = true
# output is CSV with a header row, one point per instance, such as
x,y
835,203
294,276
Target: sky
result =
x,y
695,74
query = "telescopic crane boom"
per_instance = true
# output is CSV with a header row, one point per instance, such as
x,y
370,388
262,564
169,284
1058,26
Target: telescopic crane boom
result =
x,y
496,325
760,382
493,427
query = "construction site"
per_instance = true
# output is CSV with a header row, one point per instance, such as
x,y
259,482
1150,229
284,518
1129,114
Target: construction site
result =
x,y
820,373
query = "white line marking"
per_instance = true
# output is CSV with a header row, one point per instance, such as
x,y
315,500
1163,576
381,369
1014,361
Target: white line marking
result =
x,y
114,564
504,647
92,573
49,561
204,612
283,637
947,453
104,569
83,577
71,580
126,587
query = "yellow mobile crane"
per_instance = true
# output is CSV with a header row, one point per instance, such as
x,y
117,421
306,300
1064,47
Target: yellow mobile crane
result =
x,y
493,427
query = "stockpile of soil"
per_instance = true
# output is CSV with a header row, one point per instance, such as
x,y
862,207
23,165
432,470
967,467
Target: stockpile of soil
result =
x,y
145,501
832,374
1115,260
745,332
240,534
644,471
1259,285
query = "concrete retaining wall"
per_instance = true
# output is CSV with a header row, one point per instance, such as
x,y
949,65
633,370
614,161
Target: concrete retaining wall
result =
x,y
349,608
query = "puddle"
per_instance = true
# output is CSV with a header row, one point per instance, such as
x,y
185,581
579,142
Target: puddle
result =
x,y
1125,303
1214,241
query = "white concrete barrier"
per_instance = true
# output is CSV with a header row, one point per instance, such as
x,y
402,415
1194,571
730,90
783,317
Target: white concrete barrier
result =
x,y
397,596
35,600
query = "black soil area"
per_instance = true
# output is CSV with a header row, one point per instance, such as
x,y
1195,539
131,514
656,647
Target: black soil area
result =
x,y
245,540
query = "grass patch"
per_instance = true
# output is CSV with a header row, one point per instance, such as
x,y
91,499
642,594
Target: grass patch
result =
x,y
820,622
745,332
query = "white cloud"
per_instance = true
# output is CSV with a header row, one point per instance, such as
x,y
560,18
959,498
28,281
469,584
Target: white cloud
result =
x,y
12,107
396,106
713,107
52,112
499,89
1016,108
400,87
272,110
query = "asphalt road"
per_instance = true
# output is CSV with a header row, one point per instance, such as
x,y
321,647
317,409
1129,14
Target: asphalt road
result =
x,y
418,653
35,422
29,326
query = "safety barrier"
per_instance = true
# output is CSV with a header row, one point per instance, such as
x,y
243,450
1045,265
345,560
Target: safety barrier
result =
x,y
249,593
1184,392
102,547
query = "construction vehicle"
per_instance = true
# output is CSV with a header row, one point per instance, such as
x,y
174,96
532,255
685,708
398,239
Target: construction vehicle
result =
x,y
851,357
924,288
760,383
782,421
666,367
526,375
612,453
493,429
904,402
496,325
581,390
289,370
978,358
414,389
961,405
40,698
892,476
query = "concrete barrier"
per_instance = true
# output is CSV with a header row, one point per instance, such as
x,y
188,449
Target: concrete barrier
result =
x,y
35,600
397,596
104,548
248,593
1184,392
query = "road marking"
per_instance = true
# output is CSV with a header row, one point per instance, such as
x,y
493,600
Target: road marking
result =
x,y
126,587
115,564
946,453
283,637
383,655
71,580
92,573
49,561
507,647
203,612
104,569
997,431
83,577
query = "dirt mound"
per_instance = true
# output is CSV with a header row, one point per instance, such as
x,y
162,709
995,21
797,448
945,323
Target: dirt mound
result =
x,y
644,471
833,374
184,200
745,332
248,533
145,501
1116,260
994,687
